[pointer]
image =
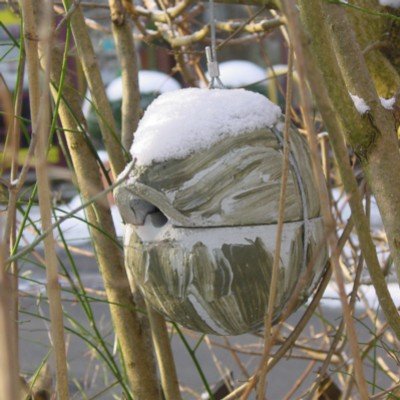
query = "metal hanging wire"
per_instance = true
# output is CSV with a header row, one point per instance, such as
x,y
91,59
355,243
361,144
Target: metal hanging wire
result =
x,y
211,54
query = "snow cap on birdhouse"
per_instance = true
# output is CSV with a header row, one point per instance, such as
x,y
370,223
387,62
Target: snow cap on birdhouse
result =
x,y
201,208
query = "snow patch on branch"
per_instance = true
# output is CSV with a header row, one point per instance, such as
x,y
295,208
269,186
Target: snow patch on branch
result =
x,y
362,107
360,104
388,103
390,3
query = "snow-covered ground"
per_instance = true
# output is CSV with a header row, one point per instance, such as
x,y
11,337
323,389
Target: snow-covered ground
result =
x,y
344,209
74,229
366,296
241,73
149,82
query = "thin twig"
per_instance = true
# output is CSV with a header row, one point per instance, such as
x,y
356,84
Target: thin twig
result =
x,y
130,110
278,239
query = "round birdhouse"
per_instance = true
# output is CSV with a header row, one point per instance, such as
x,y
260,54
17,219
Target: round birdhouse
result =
x,y
201,207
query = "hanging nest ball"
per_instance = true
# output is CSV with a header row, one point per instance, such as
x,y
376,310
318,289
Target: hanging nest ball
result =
x,y
201,208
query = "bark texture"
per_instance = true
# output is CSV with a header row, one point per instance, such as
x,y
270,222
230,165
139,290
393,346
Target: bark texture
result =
x,y
139,365
378,37
330,91
373,135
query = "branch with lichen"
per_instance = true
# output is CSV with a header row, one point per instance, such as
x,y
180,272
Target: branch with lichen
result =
x,y
375,140
342,119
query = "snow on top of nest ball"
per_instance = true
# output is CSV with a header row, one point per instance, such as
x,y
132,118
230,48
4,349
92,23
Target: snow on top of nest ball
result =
x,y
178,123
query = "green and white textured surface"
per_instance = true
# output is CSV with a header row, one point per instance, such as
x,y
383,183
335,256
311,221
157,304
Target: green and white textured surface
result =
x,y
201,221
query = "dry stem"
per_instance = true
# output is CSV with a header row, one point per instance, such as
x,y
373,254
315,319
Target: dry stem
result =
x,y
278,239
165,357
9,382
39,104
139,366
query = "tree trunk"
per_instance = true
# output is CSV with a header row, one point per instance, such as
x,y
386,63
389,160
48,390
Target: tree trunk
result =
x,y
139,364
